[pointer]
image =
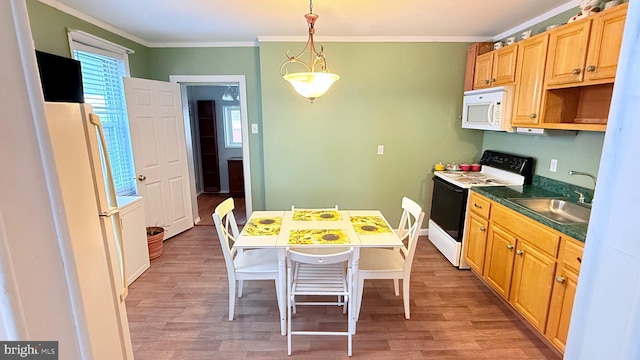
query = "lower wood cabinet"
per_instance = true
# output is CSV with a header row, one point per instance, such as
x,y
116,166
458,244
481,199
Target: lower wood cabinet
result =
x,y
533,267
476,241
531,285
499,260
564,292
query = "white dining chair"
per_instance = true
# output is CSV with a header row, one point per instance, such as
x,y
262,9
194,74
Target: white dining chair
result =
x,y
255,264
395,264
319,275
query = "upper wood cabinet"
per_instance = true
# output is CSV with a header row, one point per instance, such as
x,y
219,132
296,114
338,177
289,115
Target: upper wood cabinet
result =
x,y
473,52
496,68
532,56
586,51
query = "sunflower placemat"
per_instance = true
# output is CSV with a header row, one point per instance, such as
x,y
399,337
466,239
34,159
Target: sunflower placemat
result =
x,y
316,215
369,225
263,226
317,236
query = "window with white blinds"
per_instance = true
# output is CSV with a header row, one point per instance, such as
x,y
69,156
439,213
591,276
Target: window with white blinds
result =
x,y
103,89
232,126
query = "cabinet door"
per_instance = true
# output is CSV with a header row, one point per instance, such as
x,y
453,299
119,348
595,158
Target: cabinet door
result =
x,y
476,242
564,291
503,70
567,53
604,44
482,77
472,52
531,286
532,56
499,260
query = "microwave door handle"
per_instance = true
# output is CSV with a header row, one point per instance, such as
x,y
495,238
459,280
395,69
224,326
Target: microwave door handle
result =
x,y
490,113
492,118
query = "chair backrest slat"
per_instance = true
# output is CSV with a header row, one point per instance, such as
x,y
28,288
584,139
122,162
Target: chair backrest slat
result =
x,y
227,229
409,229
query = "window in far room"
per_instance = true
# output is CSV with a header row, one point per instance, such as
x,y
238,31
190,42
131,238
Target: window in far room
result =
x,y
232,126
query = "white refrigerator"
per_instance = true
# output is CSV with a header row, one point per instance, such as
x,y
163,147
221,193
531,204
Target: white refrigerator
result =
x,y
93,220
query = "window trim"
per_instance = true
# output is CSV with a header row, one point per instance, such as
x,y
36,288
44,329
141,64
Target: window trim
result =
x,y
80,40
228,129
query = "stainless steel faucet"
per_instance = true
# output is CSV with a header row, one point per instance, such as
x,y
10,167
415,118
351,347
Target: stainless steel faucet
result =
x,y
574,172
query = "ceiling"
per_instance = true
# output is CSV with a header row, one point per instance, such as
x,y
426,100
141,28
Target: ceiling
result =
x,y
158,22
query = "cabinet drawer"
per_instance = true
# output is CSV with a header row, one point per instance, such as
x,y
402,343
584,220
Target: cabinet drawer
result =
x,y
527,229
571,254
479,205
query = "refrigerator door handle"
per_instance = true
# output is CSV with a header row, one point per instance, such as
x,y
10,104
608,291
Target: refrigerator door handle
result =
x,y
113,211
109,212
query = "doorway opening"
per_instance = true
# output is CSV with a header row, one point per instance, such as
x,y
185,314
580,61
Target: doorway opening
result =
x,y
218,146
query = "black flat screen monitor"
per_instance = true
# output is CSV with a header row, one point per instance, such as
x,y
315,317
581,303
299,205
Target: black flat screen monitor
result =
x,y
61,78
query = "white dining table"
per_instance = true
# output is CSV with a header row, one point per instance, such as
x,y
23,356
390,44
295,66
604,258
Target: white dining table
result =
x,y
316,229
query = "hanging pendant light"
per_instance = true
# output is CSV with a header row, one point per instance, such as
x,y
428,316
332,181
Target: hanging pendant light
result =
x,y
227,96
317,79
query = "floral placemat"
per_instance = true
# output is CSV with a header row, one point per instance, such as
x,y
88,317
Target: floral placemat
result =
x,y
263,226
317,236
317,215
369,225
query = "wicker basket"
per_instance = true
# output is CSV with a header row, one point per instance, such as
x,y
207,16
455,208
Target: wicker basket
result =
x,y
155,235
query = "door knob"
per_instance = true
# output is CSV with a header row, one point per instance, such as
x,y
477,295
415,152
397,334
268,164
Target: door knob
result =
x,y
142,178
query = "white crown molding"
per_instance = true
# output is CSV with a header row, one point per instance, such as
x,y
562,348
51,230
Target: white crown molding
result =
x,y
204,44
538,19
73,12
82,16
378,39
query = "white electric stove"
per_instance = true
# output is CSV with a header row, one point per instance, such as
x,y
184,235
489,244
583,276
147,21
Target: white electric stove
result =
x,y
450,192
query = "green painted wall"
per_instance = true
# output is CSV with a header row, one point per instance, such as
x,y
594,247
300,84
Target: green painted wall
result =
x,y
49,29
405,96
580,152
222,61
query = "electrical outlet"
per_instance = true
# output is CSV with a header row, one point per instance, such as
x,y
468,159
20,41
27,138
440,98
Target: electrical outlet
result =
x,y
553,167
380,149
254,128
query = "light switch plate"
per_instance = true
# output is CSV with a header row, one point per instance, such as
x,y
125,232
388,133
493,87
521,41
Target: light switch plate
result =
x,y
380,149
553,167
254,128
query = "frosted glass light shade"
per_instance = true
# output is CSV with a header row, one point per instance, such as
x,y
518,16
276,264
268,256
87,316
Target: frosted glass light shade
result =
x,y
311,84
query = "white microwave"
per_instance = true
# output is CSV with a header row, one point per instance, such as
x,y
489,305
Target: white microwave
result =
x,y
488,109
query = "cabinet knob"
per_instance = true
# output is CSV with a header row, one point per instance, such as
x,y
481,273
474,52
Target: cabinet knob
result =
x,y
560,279
533,115
482,228
591,68
142,178
486,81
493,80
519,252
575,71
509,246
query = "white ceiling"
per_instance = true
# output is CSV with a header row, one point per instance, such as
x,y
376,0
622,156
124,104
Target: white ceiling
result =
x,y
163,22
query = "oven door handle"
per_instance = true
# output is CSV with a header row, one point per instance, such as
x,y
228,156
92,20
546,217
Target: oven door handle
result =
x,y
449,185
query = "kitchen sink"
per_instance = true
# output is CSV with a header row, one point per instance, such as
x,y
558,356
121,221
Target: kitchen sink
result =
x,y
558,210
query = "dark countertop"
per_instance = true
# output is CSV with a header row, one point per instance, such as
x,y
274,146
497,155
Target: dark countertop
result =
x,y
500,194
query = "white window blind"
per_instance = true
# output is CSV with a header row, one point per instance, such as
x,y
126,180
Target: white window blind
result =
x,y
232,126
103,89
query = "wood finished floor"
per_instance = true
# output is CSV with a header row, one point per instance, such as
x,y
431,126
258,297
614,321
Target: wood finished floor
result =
x,y
207,202
178,310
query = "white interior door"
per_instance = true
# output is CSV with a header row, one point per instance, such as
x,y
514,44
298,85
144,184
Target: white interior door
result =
x,y
160,153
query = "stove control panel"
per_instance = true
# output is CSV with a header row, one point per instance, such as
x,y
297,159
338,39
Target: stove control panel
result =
x,y
518,164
